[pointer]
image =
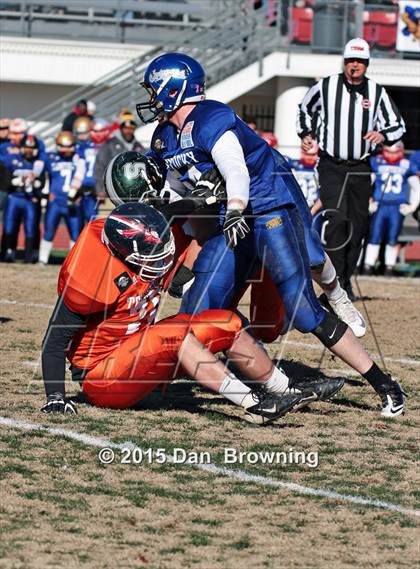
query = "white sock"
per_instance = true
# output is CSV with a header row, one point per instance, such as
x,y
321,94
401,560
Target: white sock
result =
x,y
44,251
391,254
327,274
372,252
236,391
278,382
336,293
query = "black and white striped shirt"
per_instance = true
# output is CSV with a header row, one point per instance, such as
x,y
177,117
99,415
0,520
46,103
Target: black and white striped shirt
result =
x,y
346,113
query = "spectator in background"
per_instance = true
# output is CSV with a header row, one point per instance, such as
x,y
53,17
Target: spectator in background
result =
x,y
122,141
270,138
79,110
266,135
91,109
355,115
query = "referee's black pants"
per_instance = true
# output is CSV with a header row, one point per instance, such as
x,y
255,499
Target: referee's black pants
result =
x,y
345,189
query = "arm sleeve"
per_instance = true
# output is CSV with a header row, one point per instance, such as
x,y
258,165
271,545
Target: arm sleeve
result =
x,y
80,171
311,103
229,158
389,123
414,185
61,328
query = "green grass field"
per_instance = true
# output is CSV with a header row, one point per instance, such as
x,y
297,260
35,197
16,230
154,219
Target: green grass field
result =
x,y
61,507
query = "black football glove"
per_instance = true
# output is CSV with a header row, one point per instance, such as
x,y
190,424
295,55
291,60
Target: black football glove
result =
x,y
234,228
58,403
181,282
211,186
154,172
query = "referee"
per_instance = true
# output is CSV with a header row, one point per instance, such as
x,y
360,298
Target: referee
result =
x,y
353,115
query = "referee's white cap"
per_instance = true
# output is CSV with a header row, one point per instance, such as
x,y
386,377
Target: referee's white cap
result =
x,y
356,48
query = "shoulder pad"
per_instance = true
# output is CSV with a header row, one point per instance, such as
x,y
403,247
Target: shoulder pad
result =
x,y
91,277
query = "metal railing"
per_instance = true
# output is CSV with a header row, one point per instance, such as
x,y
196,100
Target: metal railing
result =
x,y
116,20
234,38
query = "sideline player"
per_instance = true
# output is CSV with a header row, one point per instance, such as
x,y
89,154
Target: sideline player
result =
x,y
66,171
109,291
87,148
265,220
396,194
23,199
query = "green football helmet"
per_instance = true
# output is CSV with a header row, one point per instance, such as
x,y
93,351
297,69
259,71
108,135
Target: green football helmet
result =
x,y
134,177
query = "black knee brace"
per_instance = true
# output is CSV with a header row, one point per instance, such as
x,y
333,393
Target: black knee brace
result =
x,y
331,330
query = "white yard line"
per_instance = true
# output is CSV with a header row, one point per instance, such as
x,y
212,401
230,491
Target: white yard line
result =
x,y
30,304
239,475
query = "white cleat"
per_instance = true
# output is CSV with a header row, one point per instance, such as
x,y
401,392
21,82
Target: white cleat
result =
x,y
348,313
393,399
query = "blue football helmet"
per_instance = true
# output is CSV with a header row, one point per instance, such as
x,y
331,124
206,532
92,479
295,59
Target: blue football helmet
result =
x,y
170,81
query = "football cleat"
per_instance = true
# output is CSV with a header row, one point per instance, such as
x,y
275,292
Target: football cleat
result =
x,y
10,256
392,397
316,389
269,407
347,312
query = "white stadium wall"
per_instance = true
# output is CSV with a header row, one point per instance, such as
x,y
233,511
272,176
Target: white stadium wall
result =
x,y
35,72
22,99
53,68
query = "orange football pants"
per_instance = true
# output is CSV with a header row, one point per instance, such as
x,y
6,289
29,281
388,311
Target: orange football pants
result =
x,y
150,357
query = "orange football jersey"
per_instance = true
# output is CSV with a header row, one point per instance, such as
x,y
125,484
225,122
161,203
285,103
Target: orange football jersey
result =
x,y
98,285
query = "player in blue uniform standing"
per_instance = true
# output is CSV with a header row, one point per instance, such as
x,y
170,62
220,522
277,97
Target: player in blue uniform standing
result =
x,y
23,199
264,221
396,194
66,171
87,149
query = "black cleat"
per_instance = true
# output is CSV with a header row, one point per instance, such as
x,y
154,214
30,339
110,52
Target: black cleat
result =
x,y
319,389
392,397
269,407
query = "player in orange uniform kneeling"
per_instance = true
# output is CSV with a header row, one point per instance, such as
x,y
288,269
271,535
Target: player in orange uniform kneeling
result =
x,y
109,291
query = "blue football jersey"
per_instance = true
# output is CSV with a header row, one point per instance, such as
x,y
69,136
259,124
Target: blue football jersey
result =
x,y
188,153
88,151
61,172
307,180
19,168
391,180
